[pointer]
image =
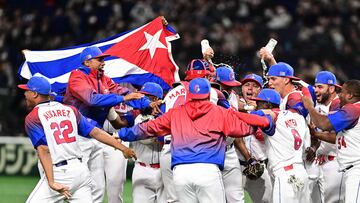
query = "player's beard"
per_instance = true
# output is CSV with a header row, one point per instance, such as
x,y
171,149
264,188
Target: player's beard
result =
x,y
324,97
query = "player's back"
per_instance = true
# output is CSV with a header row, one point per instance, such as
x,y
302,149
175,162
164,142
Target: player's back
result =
x,y
177,96
60,126
286,145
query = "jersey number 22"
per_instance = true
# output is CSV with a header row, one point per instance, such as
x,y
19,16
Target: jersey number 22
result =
x,y
66,128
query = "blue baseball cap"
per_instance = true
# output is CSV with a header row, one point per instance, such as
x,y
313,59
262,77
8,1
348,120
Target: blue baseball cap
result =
x,y
326,77
254,78
199,88
282,69
153,89
268,95
37,84
225,75
91,53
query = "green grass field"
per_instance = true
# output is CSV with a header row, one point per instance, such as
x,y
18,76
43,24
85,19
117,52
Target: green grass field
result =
x,y
16,189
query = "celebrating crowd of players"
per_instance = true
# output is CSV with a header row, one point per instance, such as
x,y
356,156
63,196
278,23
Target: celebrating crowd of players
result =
x,y
200,141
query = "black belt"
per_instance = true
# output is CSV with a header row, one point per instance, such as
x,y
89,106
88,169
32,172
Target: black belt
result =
x,y
167,141
65,162
347,168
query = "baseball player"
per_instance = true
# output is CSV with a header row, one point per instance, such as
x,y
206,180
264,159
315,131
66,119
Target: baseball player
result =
x,y
232,177
328,178
285,144
198,131
345,123
116,173
281,78
53,129
251,149
93,94
197,68
147,185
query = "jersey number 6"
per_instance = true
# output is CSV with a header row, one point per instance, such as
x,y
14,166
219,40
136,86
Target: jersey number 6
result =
x,y
68,129
297,139
341,142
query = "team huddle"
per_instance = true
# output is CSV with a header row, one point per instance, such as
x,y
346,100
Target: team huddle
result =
x,y
281,140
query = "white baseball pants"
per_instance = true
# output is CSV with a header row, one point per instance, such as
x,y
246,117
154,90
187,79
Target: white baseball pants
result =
x,y
199,183
115,166
75,175
283,190
331,181
94,159
351,185
316,187
232,178
147,185
167,174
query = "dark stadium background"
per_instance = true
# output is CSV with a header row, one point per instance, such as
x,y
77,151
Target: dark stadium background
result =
x,y
312,35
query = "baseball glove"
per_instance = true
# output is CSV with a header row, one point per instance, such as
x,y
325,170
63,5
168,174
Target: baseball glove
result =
x,y
254,171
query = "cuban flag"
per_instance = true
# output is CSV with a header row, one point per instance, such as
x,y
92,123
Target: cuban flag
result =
x,y
138,56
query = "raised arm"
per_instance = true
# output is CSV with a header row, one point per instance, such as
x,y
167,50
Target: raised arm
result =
x,y
105,138
238,124
83,91
159,127
319,120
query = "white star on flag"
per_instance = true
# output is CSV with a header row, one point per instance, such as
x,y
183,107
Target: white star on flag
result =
x,y
152,43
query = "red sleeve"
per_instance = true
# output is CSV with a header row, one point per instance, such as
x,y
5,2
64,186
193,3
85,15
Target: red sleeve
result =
x,y
259,135
160,126
294,98
254,120
79,87
335,105
234,126
305,91
77,114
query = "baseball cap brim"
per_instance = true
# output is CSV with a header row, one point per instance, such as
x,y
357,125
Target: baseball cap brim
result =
x,y
198,96
102,56
259,99
250,80
23,86
292,77
148,93
231,83
336,85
